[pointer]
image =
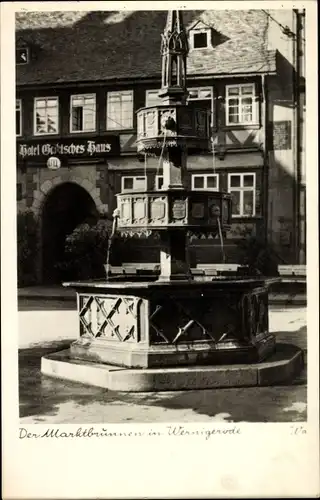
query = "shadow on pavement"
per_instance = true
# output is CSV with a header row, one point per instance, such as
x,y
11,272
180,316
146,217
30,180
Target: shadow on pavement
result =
x,y
46,305
40,395
248,404
296,337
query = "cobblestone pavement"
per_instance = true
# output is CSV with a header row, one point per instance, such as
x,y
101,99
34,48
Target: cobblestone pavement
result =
x,y
50,401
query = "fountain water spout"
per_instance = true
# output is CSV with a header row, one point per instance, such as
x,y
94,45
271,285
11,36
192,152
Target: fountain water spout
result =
x,y
116,214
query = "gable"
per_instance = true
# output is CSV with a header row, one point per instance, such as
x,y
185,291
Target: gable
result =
x,y
199,25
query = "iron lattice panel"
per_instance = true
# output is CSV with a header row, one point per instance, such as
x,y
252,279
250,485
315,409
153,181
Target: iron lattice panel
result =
x,y
231,318
255,319
109,318
175,320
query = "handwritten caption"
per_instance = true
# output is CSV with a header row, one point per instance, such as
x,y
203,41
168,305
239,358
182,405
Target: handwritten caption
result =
x,y
92,432
298,430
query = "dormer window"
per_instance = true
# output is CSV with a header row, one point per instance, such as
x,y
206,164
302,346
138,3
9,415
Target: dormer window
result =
x,y
22,56
200,36
200,40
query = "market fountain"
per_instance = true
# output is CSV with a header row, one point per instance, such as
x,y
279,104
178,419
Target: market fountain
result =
x,y
177,331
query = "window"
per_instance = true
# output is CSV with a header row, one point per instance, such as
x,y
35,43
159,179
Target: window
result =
x,y
205,181
83,113
241,107
200,94
242,188
152,98
22,56
202,97
133,183
18,117
195,94
200,38
120,110
46,113
158,182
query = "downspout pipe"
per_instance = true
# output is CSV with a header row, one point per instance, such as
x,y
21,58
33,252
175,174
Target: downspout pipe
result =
x,y
298,134
265,157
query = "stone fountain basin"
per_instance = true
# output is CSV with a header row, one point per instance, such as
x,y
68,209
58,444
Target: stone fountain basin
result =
x,y
155,335
141,323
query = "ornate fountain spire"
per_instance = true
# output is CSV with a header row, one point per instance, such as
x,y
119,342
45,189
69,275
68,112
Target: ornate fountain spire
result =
x,y
174,50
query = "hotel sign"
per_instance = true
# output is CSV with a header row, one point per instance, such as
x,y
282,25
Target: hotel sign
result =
x,y
72,148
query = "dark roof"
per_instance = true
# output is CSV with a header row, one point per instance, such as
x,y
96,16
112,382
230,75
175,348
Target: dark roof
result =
x,y
107,45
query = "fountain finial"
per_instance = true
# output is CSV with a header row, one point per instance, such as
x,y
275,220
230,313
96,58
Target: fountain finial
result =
x,y
174,51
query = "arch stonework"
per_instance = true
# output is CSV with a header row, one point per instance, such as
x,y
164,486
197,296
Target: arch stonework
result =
x,y
39,196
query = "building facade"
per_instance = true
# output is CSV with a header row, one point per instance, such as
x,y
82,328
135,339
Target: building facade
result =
x,y
81,77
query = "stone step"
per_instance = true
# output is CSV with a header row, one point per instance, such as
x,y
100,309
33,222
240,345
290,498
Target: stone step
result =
x,y
282,367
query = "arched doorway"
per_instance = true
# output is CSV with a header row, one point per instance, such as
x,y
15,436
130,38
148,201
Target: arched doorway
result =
x,y
65,207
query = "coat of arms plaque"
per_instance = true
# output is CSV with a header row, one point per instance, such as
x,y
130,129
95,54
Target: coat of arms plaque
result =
x,y
179,209
157,210
197,210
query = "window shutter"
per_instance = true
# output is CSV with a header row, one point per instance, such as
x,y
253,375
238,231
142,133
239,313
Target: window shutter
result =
x,y
19,191
258,193
223,181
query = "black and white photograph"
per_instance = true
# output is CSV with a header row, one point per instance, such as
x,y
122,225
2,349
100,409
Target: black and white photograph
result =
x,y
161,217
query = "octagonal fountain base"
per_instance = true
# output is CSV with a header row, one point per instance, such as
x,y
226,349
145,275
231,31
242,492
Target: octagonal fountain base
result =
x,y
166,335
282,367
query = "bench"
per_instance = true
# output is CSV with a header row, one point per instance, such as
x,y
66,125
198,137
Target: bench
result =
x,y
288,273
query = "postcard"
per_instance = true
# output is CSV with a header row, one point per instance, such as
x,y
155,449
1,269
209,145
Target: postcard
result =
x,y
160,286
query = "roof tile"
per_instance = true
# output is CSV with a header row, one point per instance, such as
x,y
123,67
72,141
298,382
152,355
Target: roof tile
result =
x,y
108,45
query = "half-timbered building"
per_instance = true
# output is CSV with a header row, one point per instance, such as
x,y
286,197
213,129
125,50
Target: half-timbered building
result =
x,y
81,77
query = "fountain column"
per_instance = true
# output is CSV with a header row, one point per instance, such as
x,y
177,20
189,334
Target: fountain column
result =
x,y
173,253
173,256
